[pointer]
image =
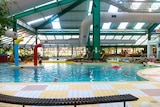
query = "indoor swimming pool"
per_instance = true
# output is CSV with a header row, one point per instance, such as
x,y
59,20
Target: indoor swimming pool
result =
x,y
82,72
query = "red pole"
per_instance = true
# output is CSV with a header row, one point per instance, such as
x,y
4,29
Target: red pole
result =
x,y
36,54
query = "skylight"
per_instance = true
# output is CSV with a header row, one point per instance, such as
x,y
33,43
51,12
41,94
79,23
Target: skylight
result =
x,y
39,20
113,9
139,25
90,7
56,24
91,27
123,25
126,37
118,37
106,25
155,6
135,5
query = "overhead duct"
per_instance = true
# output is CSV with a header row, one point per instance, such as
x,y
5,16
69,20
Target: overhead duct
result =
x,y
72,42
117,41
115,17
54,42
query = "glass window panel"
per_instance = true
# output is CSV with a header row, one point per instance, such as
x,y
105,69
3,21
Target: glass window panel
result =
x,y
67,37
75,37
50,37
109,37
145,42
102,37
59,37
141,40
118,37
126,37
135,37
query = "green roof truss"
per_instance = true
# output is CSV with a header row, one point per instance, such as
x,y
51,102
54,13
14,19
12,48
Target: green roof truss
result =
x,y
42,8
61,13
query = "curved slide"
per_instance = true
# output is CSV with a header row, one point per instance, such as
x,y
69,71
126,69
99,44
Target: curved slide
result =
x,y
115,17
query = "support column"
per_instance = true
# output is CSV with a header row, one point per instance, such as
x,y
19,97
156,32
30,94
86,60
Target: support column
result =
x,y
15,30
116,50
36,37
89,47
149,35
72,52
57,52
96,29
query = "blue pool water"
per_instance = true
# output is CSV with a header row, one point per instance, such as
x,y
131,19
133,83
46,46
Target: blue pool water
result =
x,y
71,73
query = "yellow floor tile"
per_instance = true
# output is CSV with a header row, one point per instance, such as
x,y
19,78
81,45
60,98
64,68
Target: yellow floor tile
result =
x,y
123,86
1,86
54,94
157,85
105,92
11,105
8,92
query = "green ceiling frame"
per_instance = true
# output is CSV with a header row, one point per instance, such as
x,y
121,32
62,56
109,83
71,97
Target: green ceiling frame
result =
x,y
102,34
61,13
42,8
151,29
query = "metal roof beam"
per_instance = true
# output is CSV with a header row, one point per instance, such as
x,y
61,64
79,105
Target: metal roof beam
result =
x,y
153,27
66,34
42,8
61,13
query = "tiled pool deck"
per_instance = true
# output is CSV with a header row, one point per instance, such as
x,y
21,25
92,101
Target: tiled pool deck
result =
x,y
145,90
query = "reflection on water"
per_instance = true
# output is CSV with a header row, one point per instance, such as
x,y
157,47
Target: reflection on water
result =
x,y
70,73
16,75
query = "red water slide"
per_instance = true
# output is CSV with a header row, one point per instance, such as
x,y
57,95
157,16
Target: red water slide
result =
x,y
36,53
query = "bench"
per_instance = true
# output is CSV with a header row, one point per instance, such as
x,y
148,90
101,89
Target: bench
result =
x,y
66,101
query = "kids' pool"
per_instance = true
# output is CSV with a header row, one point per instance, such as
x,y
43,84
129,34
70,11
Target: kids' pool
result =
x,y
71,73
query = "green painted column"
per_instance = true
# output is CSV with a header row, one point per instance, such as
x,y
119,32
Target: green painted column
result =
x,y
36,37
15,30
89,47
149,34
96,29
116,50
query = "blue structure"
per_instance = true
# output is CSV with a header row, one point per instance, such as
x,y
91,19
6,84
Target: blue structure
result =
x,y
16,55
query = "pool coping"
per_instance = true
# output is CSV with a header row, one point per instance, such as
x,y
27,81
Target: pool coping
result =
x,y
151,74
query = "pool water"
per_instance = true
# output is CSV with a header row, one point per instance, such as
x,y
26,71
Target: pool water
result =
x,y
71,73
